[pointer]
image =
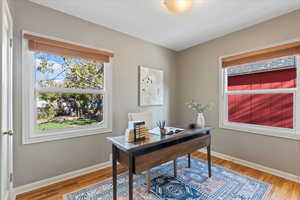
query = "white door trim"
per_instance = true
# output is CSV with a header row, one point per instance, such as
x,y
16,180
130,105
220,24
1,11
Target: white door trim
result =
x,y
6,34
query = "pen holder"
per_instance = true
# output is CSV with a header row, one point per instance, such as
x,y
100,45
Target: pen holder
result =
x,y
163,132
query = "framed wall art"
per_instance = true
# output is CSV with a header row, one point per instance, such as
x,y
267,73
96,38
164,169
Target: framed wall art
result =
x,y
151,86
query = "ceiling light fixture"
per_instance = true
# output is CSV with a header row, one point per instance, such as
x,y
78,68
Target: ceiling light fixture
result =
x,y
179,6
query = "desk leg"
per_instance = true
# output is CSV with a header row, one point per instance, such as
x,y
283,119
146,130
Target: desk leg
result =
x,y
209,160
130,181
114,171
148,181
189,160
175,167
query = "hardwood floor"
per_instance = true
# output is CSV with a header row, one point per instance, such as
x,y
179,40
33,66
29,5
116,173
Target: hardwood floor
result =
x,y
282,189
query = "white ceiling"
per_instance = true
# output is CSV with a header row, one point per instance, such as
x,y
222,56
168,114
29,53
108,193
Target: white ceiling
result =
x,y
150,21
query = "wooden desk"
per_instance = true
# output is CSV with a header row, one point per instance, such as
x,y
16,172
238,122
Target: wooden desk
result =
x,y
142,156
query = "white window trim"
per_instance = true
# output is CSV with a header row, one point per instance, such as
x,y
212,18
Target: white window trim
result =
x,y
29,133
258,129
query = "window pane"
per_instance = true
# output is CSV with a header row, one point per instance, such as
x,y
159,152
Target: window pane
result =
x,y
270,74
261,109
65,72
265,80
60,111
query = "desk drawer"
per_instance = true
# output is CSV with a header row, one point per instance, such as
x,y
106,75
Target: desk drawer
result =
x,y
165,154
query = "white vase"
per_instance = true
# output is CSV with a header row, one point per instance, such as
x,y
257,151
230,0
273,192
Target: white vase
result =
x,y
200,120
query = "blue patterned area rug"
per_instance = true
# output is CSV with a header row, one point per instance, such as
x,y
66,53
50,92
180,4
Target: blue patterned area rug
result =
x,y
190,184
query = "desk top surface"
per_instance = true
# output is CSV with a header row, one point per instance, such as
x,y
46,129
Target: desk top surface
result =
x,y
122,143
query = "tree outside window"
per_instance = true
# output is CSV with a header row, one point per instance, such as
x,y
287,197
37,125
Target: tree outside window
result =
x,y
69,92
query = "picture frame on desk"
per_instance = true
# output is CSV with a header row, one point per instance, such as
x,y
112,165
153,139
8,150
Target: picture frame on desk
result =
x,y
137,129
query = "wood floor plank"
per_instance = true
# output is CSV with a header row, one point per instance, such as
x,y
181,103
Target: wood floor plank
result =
x,y
282,189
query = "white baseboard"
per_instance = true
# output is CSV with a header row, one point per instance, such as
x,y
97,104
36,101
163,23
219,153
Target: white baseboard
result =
x,y
73,174
56,179
282,174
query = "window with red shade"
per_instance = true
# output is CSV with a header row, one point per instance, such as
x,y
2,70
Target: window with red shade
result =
x,y
261,97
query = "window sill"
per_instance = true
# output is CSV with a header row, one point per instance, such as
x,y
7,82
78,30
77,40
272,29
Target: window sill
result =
x,y
262,130
38,138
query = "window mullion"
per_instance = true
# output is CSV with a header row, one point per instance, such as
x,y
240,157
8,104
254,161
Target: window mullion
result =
x,y
69,90
268,91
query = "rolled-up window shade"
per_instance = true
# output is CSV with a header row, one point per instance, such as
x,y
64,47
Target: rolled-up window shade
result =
x,y
45,45
263,54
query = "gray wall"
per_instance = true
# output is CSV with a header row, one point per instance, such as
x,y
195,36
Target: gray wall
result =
x,y
198,78
43,160
195,76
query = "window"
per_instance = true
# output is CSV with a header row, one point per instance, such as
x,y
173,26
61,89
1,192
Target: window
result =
x,y
261,97
66,90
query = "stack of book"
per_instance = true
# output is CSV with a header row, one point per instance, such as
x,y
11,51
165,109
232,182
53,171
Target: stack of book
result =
x,y
143,132
138,133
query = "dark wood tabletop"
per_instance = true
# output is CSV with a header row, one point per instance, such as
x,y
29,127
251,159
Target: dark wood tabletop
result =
x,y
122,143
